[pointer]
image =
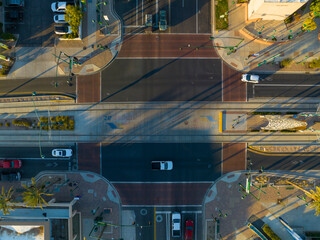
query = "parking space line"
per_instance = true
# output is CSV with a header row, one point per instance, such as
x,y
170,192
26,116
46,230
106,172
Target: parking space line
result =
x,y
168,226
191,211
164,212
195,227
154,224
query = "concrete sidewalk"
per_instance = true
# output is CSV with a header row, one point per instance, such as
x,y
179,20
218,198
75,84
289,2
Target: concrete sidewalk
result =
x,y
147,122
100,43
225,206
257,40
96,194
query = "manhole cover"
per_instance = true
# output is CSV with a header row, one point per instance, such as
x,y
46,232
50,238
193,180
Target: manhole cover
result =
x,y
143,211
159,218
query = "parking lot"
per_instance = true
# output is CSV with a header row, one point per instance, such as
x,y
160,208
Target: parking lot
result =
x,y
144,218
35,28
192,16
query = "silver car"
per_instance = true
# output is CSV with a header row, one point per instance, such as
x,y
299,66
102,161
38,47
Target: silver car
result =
x,y
62,152
59,18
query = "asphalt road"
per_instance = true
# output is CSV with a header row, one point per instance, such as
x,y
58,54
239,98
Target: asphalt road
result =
x,y
162,80
25,87
286,85
32,163
284,161
132,162
192,16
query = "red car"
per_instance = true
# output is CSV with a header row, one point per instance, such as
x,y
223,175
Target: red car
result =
x,y
10,163
189,230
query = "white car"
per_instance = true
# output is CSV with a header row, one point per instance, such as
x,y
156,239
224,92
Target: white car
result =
x,y
59,7
60,30
176,224
250,78
59,18
62,152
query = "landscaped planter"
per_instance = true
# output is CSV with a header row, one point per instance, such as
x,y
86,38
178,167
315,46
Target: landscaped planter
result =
x,y
63,123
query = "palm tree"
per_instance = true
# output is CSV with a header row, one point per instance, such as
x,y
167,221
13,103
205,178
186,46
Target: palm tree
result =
x,y
32,197
315,195
6,201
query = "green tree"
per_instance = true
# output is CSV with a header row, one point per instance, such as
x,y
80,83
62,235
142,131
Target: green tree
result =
x,y
315,8
74,16
309,25
32,197
6,200
315,195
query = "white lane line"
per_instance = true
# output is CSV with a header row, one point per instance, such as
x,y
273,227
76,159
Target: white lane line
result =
x,y
191,211
142,12
183,3
137,8
197,17
157,10
168,226
287,85
163,212
170,206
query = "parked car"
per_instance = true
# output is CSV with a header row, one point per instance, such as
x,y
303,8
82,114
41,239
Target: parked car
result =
x,y
163,20
59,7
59,18
14,3
176,224
13,176
65,29
10,163
250,78
62,152
162,165
189,230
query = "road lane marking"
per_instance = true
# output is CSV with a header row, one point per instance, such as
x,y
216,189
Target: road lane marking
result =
x,y
157,10
154,224
197,16
191,211
142,12
162,206
137,8
168,58
183,3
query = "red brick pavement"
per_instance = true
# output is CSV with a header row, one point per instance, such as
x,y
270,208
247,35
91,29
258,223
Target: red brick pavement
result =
x,y
88,88
89,157
233,89
166,45
162,193
234,157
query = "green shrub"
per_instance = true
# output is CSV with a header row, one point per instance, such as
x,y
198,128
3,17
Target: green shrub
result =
x,y
8,36
293,113
255,130
315,63
266,113
1,124
24,123
270,233
286,62
0,4
221,9
7,124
